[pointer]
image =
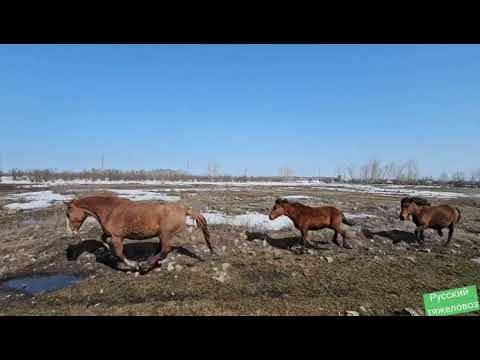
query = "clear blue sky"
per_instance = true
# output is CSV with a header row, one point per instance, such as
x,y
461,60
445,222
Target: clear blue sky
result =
x,y
259,107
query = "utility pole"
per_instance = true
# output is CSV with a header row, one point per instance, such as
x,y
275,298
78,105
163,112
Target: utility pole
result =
x,y
1,166
102,161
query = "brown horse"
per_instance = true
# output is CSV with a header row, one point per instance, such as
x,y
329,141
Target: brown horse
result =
x,y
426,216
123,218
307,218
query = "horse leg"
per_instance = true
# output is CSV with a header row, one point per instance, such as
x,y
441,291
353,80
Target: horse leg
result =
x,y
346,243
165,248
153,260
421,233
118,249
450,234
417,235
104,240
335,238
337,228
305,239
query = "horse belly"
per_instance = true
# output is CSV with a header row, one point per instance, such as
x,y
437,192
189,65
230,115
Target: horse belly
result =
x,y
139,235
141,231
317,225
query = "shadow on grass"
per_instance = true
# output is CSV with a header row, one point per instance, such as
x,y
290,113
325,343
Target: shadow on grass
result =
x,y
134,251
286,242
398,236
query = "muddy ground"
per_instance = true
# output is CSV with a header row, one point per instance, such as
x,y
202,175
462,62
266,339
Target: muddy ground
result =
x,y
257,272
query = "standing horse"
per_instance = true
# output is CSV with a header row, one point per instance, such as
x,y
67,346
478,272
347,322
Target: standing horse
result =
x,y
123,218
307,218
426,216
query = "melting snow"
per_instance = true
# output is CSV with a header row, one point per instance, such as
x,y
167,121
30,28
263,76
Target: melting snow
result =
x,y
359,216
35,200
250,220
297,197
140,195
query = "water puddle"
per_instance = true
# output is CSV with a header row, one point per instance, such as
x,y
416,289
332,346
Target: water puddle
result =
x,y
37,285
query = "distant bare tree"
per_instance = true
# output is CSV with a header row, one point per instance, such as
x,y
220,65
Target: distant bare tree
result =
x,y
285,173
351,171
375,169
213,169
365,173
477,175
444,177
400,172
340,173
459,176
412,170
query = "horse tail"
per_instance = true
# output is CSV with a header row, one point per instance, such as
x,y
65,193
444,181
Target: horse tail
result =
x,y
346,221
459,215
202,224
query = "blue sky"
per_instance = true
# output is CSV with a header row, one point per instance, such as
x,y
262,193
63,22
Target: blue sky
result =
x,y
259,107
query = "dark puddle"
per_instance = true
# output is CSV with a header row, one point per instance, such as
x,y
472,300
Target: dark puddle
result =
x,y
40,284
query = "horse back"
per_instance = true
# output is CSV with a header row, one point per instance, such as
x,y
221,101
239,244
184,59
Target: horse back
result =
x,y
321,216
439,216
146,217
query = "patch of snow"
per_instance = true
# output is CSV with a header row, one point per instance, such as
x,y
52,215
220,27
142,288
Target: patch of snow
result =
x,y
388,189
250,220
140,195
288,197
359,216
35,200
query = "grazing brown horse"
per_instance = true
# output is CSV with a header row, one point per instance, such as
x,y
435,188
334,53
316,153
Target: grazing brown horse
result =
x,y
426,216
307,218
123,218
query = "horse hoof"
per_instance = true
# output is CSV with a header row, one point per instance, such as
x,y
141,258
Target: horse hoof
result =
x,y
299,251
146,266
122,266
132,264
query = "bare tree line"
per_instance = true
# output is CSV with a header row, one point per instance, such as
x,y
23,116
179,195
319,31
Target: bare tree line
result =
x,y
43,175
400,172
372,172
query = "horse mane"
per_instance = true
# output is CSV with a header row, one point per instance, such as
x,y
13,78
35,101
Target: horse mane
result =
x,y
416,200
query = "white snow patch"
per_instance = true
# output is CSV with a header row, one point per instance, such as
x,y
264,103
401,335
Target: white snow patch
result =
x,y
35,200
395,190
297,197
388,189
359,216
255,221
141,195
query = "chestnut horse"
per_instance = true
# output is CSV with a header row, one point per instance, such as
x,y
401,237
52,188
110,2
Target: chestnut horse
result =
x,y
307,218
123,218
426,216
